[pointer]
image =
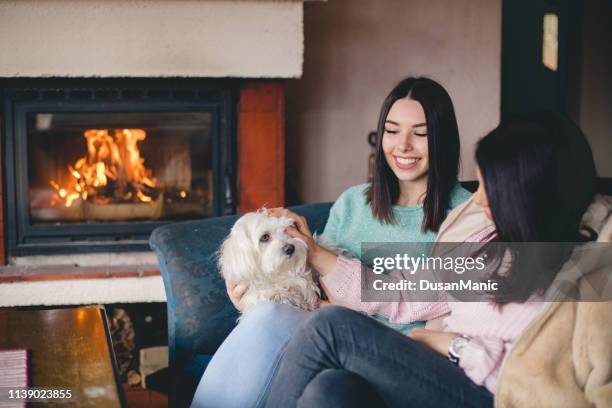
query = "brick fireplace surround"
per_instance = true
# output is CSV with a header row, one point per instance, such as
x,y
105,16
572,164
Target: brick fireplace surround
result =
x,y
261,178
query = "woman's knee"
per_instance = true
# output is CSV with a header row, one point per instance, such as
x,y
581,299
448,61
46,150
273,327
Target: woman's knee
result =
x,y
331,317
273,316
264,310
333,314
322,325
277,313
339,388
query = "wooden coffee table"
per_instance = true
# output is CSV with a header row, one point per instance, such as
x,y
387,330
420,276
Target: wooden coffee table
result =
x,y
68,348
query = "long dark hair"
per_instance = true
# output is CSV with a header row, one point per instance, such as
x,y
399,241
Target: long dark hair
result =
x,y
443,145
539,177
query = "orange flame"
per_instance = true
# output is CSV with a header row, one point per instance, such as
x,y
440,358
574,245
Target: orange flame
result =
x,y
110,159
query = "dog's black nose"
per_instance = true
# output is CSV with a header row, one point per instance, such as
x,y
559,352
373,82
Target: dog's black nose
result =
x,y
289,249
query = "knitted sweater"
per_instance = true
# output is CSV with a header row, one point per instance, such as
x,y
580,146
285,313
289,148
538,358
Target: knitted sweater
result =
x,y
492,330
351,223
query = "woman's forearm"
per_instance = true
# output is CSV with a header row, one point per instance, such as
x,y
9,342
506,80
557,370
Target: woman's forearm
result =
x,y
343,287
322,259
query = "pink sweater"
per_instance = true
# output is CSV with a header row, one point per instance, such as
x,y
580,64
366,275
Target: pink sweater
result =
x,y
492,331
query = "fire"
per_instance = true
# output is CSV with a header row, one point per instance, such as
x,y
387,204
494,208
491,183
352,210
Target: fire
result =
x,y
111,170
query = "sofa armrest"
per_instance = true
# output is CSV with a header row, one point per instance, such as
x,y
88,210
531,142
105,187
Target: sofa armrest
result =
x,y
200,315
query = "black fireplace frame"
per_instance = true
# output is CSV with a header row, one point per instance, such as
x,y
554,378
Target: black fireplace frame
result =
x,y
23,96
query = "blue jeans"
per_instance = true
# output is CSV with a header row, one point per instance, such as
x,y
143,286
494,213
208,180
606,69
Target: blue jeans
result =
x,y
241,371
340,358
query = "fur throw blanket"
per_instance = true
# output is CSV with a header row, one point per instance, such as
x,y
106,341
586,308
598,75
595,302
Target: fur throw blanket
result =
x,y
564,358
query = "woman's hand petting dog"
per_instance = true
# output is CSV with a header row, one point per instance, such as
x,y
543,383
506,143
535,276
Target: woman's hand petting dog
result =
x,y
319,257
235,293
300,229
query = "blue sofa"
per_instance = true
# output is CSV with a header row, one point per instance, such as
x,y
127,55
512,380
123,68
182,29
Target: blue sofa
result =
x,y
200,315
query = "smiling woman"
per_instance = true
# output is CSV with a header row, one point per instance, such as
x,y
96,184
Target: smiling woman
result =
x,y
405,145
417,152
413,187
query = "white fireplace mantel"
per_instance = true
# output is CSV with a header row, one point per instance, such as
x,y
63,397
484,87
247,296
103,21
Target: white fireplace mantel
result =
x,y
151,38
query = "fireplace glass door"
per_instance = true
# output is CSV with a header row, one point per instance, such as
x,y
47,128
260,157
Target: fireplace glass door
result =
x,y
117,167
96,165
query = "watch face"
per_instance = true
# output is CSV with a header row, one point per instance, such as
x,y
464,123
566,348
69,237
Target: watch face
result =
x,y
457,345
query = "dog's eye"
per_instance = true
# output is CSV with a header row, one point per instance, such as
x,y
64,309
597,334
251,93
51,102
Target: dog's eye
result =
x,y
264,238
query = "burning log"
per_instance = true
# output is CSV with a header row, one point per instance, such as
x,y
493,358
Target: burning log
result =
x,y
112,172
124,211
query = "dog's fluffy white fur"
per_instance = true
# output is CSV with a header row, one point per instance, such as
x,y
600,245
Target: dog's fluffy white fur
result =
x,y
260,254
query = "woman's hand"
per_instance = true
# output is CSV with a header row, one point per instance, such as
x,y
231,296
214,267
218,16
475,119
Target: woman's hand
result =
x,y
299,229
236,293
320,258
436,340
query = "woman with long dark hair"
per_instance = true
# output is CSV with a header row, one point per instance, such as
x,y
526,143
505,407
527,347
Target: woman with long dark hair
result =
x,y
548,153
536,177
435,171
414,186
414,182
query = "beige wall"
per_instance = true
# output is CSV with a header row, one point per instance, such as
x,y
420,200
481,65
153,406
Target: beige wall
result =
x,y
355,52
151,38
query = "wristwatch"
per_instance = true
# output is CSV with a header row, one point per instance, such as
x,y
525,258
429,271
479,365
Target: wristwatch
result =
x,y
456,347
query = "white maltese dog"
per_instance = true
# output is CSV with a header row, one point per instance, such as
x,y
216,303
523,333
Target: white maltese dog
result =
x,y
260,254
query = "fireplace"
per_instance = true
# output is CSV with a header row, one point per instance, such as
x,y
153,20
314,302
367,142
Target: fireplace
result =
x,y
95,165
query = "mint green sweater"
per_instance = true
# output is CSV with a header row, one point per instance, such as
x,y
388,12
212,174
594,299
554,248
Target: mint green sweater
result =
x,y
351,223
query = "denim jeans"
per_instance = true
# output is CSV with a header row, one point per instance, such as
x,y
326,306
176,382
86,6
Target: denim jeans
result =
x,y
240,373
399,371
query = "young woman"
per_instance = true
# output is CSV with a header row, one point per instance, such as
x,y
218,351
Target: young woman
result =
x,y
536,177
414,187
